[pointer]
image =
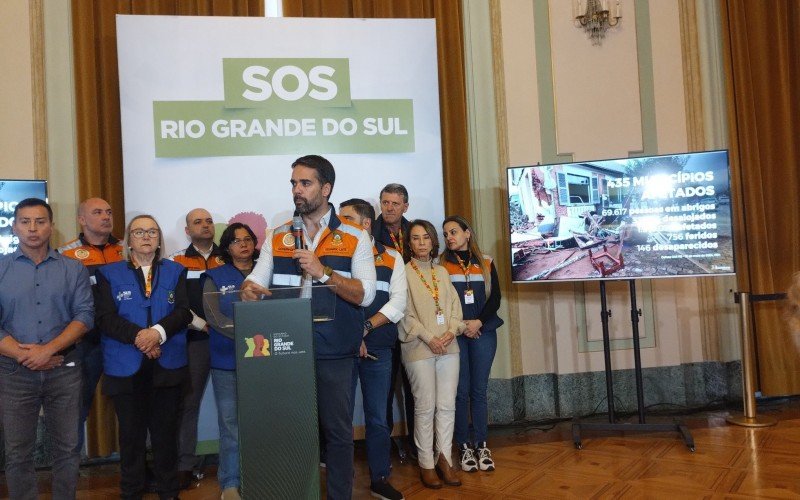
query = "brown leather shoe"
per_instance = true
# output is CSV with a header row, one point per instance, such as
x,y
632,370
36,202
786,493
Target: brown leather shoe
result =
x,y
447,473
429,478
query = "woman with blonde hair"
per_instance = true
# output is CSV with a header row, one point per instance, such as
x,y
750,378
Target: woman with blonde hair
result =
x,y
430,353
474,277
142,310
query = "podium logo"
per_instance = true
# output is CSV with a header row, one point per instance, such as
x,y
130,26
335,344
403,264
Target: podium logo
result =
x,y
257,347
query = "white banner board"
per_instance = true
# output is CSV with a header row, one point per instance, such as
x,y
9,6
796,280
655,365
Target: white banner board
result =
x,y
215,109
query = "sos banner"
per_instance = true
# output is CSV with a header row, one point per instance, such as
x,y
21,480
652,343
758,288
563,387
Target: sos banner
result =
x,y
215,110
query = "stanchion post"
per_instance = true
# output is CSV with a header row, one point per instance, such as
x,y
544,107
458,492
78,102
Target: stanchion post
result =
x,y
749,418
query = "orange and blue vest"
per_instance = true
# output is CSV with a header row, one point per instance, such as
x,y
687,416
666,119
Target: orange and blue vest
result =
x,y
472,279
382,337
221,347
121,359
196,265
92,256
341,337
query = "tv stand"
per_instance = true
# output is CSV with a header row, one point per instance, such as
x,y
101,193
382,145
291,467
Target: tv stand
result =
x,y
612,424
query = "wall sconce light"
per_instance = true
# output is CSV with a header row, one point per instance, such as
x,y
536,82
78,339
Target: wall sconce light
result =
x,y
596,17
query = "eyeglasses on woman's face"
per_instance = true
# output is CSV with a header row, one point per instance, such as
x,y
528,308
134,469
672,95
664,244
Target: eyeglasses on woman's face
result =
x,y
246,240
139,233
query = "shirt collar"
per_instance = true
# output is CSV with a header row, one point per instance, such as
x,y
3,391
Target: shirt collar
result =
x,y
191,251
51,254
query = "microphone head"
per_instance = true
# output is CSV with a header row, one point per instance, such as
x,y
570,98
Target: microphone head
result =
x,y
297,223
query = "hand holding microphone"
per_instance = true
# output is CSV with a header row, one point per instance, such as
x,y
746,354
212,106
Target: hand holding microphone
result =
x,y
304,259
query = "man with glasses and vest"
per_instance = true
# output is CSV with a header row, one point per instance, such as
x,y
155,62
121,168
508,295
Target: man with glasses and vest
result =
x,y
335,252
376,354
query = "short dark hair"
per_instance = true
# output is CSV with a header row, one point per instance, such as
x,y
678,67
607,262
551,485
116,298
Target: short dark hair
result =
x,y
395,188
325,171
229,235
362,207
428,229
34,202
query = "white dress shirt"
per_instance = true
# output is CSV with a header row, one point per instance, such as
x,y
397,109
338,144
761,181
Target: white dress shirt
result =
x,y
398,289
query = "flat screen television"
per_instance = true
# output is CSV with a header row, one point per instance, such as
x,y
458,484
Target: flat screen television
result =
x,y
647,217
12,191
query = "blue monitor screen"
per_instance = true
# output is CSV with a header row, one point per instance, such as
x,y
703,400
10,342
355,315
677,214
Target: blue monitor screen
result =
x,y
647,217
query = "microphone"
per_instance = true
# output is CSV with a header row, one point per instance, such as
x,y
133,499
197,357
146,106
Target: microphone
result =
x,y
299,241
297,232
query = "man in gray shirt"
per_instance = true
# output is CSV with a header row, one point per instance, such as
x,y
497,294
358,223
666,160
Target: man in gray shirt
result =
x,y
46,305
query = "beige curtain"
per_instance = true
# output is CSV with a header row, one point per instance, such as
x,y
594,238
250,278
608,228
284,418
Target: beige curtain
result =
x,y
452,85
762,57
98,124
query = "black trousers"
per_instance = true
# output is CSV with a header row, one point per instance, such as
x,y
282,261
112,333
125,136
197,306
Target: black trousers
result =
x,y
157,410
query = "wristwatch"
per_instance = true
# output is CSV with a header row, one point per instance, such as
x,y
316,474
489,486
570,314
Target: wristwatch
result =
x,y
368,327
327,271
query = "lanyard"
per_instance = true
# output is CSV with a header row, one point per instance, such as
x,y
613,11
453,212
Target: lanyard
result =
x,y
435,290
465,268
398,241
148,282
148,277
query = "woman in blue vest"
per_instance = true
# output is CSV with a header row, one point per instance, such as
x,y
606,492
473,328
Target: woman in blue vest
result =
x,y
142,311
475,279
238,246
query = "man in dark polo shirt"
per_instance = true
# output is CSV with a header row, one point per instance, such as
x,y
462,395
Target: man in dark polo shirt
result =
x,y
45,308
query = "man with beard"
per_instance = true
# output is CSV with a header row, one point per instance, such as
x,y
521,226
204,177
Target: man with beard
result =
x,y
95,246
339,253
201,254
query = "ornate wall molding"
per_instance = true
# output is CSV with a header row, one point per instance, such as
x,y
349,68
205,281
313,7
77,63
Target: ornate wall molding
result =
x,y
38,93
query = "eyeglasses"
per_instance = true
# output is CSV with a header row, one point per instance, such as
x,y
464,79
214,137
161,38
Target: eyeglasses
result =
x,y
139,233
246,240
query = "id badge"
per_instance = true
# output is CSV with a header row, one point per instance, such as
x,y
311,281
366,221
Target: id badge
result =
x,y
440,318
469,297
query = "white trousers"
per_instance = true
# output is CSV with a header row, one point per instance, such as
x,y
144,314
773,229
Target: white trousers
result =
x,y
434,382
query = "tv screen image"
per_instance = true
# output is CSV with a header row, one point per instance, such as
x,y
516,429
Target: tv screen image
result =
x,y
646,217
12,191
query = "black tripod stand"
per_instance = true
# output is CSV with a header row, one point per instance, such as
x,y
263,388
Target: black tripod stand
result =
x,y
612,424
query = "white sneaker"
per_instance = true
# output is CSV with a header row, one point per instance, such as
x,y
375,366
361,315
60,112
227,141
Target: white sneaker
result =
x,y
231,493
468,462
485,461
